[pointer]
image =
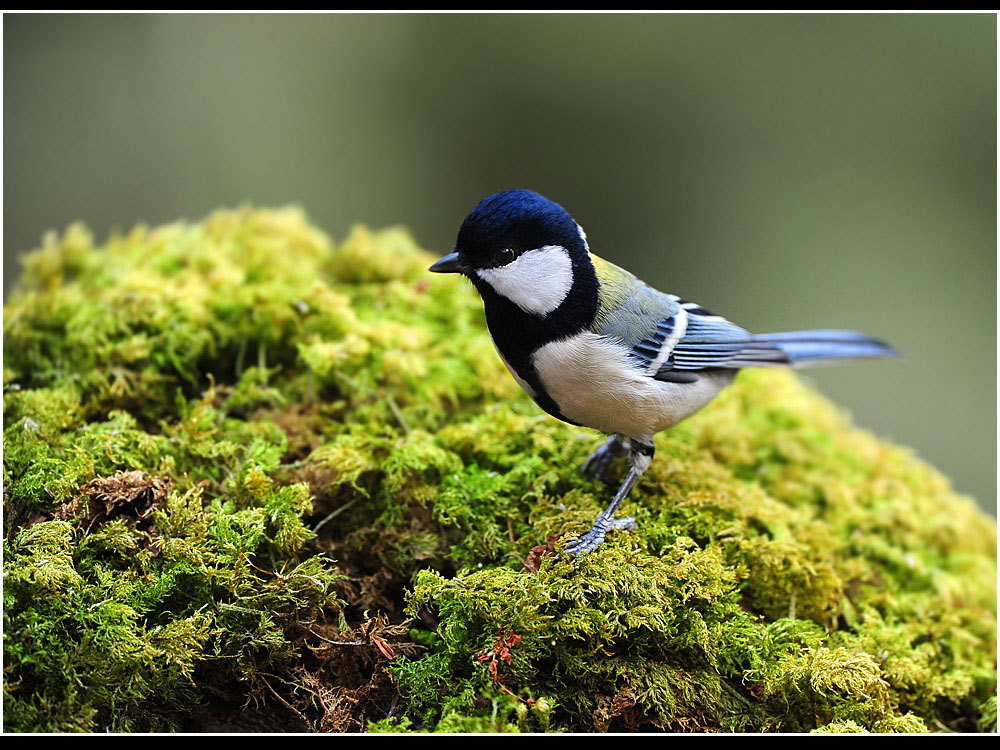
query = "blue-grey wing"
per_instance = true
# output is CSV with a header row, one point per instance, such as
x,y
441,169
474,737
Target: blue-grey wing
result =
x,y
695,340
703,341
674,340
630,311
709,341
668,338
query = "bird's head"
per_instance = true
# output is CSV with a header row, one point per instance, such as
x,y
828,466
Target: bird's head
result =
x,y
523,248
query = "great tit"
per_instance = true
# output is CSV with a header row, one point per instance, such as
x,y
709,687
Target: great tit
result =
x,y
595,346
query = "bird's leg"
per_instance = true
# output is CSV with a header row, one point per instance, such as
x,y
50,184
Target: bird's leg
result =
x,y
640,456
596,467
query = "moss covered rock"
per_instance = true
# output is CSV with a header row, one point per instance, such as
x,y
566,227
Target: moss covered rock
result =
x,y
253,480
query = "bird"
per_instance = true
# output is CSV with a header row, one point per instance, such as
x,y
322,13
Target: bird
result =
x,y
596,347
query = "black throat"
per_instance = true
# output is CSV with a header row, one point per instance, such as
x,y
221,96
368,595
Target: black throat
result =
x,y
518,334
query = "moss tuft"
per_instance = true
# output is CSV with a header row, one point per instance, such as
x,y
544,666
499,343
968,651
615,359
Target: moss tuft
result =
x,y
254,480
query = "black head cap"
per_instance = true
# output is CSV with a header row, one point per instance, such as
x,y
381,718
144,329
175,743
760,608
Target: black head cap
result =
x,y
518,221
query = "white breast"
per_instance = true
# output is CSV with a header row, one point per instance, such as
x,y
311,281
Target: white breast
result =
x,y
594,382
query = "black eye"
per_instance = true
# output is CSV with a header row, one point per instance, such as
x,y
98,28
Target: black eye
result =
x,y
505,256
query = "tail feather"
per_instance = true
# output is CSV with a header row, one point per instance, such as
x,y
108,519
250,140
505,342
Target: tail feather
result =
x,y
804,348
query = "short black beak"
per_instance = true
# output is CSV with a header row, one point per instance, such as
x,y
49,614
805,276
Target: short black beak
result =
x,y
448,264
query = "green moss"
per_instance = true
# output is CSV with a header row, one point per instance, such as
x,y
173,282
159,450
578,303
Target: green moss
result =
x,y
244,465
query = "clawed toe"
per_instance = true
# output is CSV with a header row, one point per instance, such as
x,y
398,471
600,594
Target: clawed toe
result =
x,y
641,453
595,537
625,524
586,543
597,466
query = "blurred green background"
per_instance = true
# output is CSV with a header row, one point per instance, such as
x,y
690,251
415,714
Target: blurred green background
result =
x,y
785,171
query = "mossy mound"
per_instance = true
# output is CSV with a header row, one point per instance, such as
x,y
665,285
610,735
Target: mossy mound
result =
x,y
252,480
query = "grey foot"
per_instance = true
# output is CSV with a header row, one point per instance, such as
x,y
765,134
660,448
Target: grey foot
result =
x,y
600,461
595,537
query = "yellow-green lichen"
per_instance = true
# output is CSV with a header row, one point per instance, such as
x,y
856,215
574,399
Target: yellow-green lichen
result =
x,y
200,419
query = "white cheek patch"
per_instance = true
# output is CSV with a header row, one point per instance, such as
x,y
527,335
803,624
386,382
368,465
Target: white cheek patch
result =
x,y
537,281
